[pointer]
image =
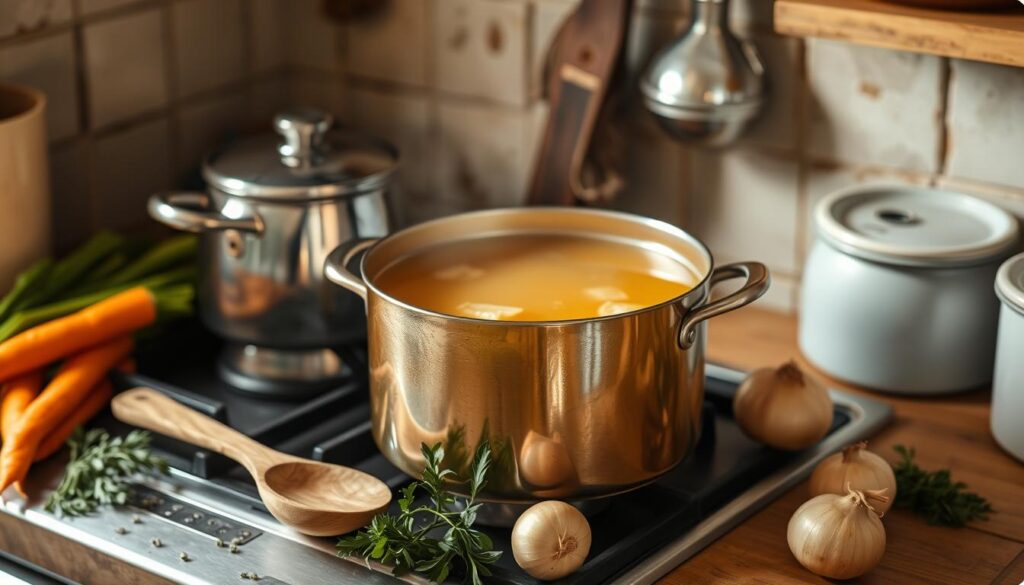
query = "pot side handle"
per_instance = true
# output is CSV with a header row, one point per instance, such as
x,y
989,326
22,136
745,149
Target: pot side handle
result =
x,y
336,267
189,211
757,284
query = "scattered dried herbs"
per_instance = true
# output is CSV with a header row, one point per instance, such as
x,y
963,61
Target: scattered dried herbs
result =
x,y
408,541
934,495
98,470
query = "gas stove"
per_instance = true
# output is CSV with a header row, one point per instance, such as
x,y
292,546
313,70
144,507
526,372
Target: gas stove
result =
x,y
637,536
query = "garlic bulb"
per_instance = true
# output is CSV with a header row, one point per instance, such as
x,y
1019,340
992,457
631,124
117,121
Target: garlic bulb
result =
x,y
783,408
840,537
551,540
860,469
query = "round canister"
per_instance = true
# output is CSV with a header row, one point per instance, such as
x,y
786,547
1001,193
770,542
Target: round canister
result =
x,y
897,289
1008,380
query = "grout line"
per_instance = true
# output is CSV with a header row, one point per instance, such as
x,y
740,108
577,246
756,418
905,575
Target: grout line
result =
x,y
942,116
802,117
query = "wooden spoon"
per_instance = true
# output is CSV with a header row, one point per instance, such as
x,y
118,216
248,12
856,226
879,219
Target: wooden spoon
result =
x,y
315,498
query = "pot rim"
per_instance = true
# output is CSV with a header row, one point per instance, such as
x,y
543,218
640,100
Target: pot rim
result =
x,y
698,289
1009,281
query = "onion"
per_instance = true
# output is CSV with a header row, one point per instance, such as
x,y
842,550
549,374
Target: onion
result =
x,y
840,537
551,540
783,408
860,469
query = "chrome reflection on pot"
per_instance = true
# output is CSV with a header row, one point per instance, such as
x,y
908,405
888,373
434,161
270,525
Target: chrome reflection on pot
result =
x,y
571,409
276,207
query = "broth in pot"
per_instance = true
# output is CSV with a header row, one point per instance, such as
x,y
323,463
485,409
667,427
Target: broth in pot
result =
x,y
536,277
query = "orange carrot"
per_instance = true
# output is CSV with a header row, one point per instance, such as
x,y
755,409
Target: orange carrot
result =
x,y
97,399
17,395
62,396
108,319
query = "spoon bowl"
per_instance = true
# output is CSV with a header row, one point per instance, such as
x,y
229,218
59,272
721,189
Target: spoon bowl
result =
x,y
314,498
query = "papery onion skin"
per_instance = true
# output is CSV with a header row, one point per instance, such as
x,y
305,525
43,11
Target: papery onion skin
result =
x,y
551,540
783,408
834,536
860,469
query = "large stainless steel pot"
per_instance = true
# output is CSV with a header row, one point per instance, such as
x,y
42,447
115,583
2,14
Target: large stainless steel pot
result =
x,y
273,213
572,409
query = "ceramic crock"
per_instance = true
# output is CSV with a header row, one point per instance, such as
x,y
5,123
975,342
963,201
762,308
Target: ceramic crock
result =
x,y
897,289
1008,380
276,207
571,409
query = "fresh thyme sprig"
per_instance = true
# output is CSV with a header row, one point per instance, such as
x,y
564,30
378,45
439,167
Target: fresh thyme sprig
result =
x,y
408,541
98,468
934,495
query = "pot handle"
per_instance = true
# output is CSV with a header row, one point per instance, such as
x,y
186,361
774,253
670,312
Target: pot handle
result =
x,y
757,284
189,211
336,267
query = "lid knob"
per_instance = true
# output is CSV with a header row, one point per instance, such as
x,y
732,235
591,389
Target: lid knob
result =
x,y
303,130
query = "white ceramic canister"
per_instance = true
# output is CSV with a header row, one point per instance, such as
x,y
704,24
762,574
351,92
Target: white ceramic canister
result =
x,y
897,289
1008,381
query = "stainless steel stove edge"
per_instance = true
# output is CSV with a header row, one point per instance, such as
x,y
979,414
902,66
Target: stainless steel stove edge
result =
x,y
867,417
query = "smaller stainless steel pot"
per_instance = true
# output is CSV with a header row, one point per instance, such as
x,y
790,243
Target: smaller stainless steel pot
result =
x,y
897,290
273,213
572,409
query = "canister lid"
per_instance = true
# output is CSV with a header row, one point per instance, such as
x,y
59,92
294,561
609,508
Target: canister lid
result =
x,y
914,226
307,161
1010,282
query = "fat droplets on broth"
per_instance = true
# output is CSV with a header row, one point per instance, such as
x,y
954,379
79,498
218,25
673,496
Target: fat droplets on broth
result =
x,y
536,277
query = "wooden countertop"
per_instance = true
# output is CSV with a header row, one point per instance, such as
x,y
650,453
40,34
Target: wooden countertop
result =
x,y
948,432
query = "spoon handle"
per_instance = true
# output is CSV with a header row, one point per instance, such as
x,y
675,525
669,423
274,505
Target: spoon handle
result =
x,y
149,409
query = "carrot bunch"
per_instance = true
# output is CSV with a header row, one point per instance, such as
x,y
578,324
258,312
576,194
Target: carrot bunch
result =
x,y
88,343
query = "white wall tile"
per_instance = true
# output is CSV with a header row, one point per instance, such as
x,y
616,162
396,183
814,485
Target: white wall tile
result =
x,y
318,91
404,120
207,44
548,17
128,167
874,106
90,7
391,44
69,182
656,173
266,34
311,39
777,125
204,126
18,16
124,61
825,179
986,123
47,64
265,99
744,206
480,47
483,161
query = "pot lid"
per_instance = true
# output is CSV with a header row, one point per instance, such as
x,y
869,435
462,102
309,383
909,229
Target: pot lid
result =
x,y
914,226
1010,282
307,161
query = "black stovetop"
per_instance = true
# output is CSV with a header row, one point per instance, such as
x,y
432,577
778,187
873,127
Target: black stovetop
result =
x,y
335,427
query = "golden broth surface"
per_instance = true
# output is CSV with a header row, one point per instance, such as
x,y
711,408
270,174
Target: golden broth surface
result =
x,y
535,277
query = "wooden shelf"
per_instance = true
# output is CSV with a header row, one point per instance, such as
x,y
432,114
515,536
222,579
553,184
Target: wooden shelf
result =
x,y
994,37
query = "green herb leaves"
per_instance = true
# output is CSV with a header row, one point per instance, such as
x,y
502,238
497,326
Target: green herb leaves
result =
x,y
934,495
409,541
98,469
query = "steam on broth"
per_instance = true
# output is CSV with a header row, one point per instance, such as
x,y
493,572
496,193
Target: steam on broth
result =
x,y
535,277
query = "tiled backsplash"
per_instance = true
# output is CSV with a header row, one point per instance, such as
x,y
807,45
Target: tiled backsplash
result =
x,y
140,89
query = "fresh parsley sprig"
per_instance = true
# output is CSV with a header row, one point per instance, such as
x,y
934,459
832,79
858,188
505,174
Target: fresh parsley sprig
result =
x,y
409,542
98,470
934,495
